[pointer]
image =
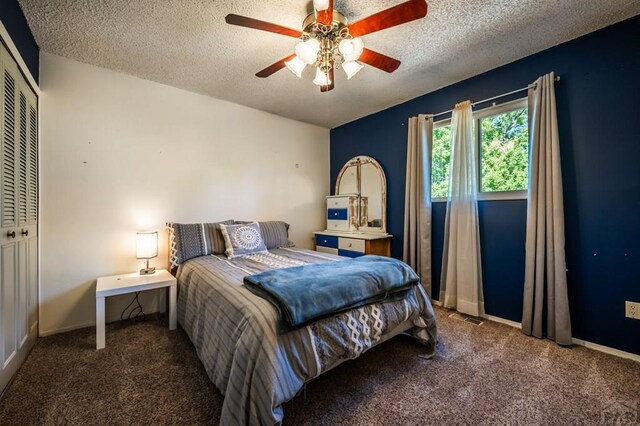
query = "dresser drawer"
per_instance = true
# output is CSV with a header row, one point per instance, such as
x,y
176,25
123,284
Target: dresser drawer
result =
x,y
349,253
337,214
337,225
337,202
327,241
327,250
351,244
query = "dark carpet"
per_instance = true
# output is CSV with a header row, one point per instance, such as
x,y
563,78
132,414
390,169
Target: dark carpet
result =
x,y
481,375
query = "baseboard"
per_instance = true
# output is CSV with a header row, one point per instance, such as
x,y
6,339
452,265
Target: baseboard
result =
x,y
85,325
503,321
65,329
579,342
607,350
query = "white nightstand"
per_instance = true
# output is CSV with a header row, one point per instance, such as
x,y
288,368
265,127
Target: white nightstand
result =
x,y
131,283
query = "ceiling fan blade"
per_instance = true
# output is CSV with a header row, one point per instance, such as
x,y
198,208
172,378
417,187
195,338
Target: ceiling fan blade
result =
x,y
378,60
273,68
396,15
332,84
243,21
325,16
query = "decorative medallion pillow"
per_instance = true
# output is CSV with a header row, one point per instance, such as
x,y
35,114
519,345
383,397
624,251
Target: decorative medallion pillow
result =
x,y
242,239
189,240
275,233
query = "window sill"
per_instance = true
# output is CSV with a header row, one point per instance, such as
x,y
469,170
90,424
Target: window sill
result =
x,y
502,195
493,196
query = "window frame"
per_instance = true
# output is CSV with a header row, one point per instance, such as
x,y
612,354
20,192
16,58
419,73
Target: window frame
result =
x,y
477,116
490,112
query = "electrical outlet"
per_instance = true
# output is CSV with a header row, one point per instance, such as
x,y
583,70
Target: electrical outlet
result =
x,y
632,309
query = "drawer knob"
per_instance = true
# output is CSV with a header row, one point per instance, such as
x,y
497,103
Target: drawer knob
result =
x,y
350,245
11,234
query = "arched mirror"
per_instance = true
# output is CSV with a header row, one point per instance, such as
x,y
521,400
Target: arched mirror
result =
x,y
363,176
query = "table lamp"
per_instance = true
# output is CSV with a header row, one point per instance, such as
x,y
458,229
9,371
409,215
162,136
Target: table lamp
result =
x,y
147,248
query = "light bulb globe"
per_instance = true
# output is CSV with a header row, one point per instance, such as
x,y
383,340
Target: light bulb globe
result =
x,y
351,49
296,66
306,53
320,5
351,68
322,79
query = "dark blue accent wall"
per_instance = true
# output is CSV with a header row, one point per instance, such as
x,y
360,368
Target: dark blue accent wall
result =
x,y
599,124
16,24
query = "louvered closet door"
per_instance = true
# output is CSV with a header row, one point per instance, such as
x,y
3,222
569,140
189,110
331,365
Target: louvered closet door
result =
x,y
18,218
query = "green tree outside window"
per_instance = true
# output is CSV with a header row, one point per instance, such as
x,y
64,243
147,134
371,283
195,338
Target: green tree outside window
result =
x,y
441,159
504,154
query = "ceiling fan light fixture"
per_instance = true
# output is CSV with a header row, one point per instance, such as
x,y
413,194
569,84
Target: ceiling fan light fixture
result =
x,y
322,79
320,5
327,40
351,49
296,66
351,68
307,51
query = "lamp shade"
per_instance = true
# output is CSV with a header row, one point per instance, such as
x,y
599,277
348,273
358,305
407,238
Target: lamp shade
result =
x,y
146,245
307,51
351,49
320,4
351,68
322,79
296,66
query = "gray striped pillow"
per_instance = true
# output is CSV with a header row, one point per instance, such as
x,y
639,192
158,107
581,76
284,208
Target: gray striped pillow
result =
x,y
194,239
275,233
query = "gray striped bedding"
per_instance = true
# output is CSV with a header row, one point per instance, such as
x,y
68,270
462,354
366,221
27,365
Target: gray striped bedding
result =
x,y
275,233
189,240
257,369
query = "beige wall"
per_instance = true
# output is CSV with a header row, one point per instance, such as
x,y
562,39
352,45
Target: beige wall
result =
x,y
120,154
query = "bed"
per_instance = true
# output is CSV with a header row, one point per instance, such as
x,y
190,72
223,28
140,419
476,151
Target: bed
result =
x,y
257,368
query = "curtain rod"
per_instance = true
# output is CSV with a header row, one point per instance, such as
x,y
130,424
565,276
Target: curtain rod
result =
x,y
531,86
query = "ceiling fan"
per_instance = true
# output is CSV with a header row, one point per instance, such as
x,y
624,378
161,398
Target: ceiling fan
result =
x,y
327,39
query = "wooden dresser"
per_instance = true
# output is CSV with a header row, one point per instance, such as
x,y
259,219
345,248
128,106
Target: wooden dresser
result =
x,y
353,244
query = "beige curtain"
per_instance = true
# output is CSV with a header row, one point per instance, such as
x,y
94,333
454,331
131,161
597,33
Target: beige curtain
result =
x,y
461,281
417,201
546,305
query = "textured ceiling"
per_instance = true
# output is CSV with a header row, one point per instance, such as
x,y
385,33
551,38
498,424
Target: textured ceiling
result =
x,y
187,44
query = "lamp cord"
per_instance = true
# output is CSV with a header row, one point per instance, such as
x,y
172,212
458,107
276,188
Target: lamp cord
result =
x,y
139,313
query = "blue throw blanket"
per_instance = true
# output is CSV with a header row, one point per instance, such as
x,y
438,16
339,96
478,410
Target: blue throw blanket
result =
x,y
305,293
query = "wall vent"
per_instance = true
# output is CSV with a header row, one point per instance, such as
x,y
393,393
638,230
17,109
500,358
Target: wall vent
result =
x,y
466,318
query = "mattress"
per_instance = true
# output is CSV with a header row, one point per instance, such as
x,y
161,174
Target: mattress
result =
x,y
256,368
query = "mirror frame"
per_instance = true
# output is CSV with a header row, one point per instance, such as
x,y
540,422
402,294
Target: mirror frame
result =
x,y
358,161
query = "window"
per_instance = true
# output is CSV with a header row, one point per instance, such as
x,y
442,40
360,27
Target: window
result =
x,y
503,152
441,158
